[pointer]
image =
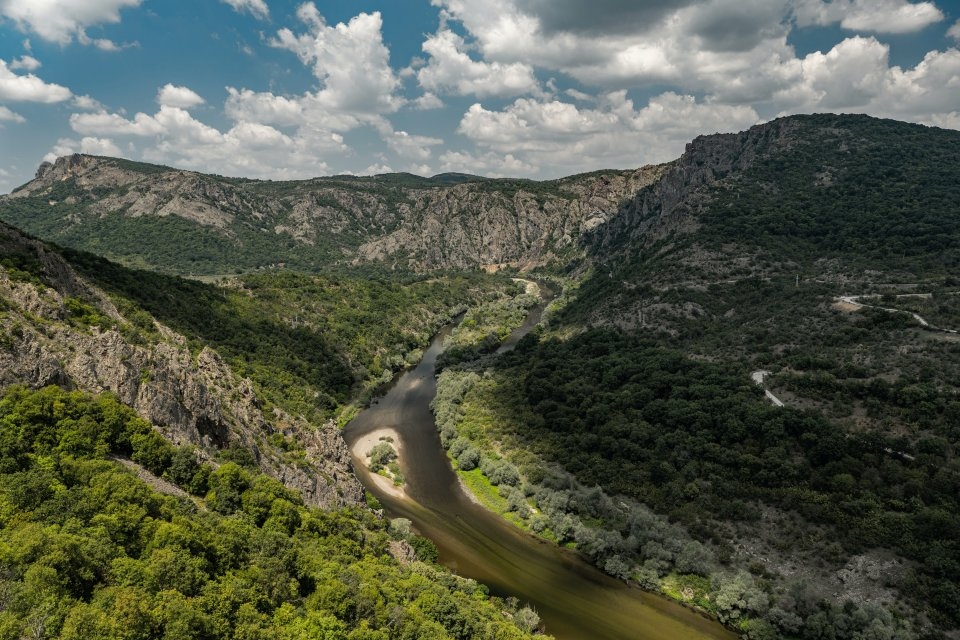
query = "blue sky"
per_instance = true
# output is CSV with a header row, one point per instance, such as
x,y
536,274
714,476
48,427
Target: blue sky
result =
x,y
533,88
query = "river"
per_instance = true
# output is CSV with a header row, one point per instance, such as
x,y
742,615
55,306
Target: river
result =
x,y
574,599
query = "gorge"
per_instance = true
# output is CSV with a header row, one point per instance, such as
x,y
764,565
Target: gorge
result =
x,y
627,424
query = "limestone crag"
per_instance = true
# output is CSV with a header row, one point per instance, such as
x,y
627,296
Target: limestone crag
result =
x,y
671,203
110,187
419,223
470,224
189,398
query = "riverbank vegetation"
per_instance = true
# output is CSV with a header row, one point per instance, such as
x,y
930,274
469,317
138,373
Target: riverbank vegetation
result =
x,y
383,460
654,465
486,325
89,551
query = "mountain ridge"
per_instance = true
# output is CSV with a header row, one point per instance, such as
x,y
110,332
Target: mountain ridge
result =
x,y
96,204
407,222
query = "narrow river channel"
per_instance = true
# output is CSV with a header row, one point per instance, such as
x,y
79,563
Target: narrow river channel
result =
x,y
575,600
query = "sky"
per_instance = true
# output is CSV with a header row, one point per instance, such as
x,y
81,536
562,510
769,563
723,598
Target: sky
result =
x,y
524,88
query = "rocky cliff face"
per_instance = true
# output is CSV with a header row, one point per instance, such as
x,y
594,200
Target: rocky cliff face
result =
x,y
103,186
417,223
672,203
471,224
60,330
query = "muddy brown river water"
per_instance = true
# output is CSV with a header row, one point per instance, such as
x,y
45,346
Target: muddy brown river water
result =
x,y
575,600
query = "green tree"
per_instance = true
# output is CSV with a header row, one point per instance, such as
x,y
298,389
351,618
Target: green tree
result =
x,y
227,485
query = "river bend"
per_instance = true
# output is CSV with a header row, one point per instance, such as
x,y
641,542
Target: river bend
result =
x,y
574,599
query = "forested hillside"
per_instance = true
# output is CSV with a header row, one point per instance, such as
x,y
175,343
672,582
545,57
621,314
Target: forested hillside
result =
x,y
814,253
89,551
836,198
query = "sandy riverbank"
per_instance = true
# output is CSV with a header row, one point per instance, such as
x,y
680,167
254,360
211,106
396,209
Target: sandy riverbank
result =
x,y
362,446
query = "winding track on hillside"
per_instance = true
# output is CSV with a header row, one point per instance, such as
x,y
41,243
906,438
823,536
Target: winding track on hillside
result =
x,y
855,303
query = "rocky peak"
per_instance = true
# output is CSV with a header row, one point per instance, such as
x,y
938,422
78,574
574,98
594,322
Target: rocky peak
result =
x,y
65,167
42,170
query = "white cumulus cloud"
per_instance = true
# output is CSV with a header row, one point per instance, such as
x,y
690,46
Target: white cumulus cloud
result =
x,y
174,96
856,76
251,106
173,136
879,16
104,44
376,169
486,164
28,63
450,70
349,59
103,123
87,103
256,8
427,101
411,147
954,31
88,145
61,21
29,88
100,147
10,116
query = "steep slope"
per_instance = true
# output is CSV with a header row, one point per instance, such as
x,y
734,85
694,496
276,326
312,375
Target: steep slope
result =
x,y
816,255
58,328
801,192
312,344
266,363
822,198
185,222
90,551
506,222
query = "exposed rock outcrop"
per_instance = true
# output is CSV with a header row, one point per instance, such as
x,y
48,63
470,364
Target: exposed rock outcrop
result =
x,y
671,203
189,397
414,222
469,225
